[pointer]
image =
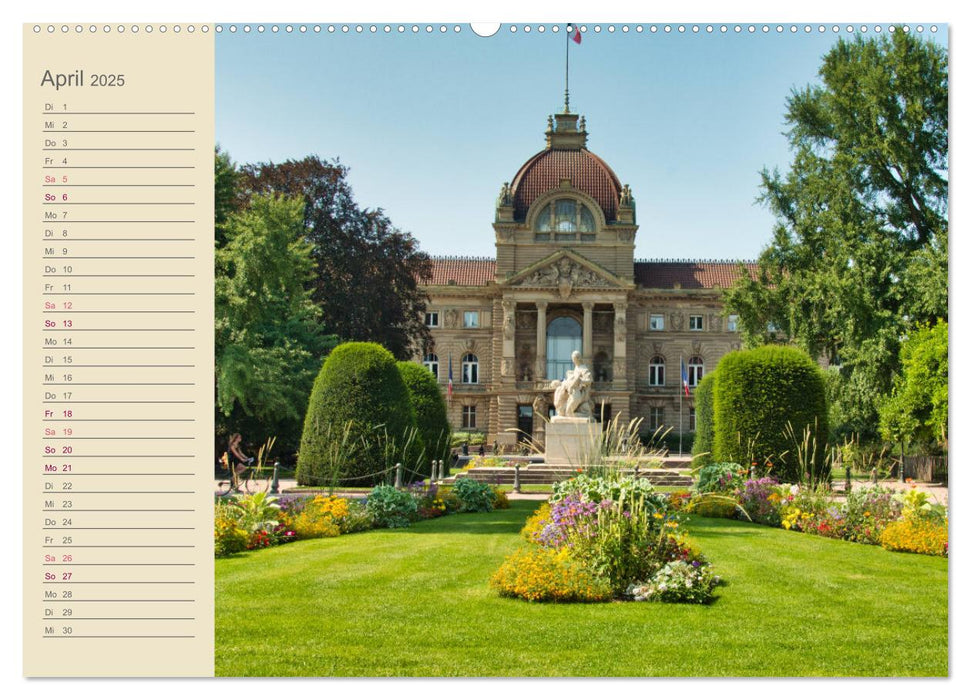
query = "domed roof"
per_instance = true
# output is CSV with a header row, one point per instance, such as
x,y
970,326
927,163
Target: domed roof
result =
x,y
586,172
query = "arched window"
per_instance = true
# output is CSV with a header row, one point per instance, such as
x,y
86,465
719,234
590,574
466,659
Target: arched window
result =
x,y
431,362
470,369
565,216
655,371
696,370
563,336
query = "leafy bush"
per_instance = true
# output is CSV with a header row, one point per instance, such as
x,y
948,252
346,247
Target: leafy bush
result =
x,y
614,488
679,582
389,507
720,477
431,416
256,511
501,501
918,536
229,537
357,519
474,496
713,506
538,574
358,420
763,398
704,420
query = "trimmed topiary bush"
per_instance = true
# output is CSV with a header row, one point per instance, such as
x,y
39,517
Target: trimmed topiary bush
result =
x,y
431,416
704,421
358,421
764,397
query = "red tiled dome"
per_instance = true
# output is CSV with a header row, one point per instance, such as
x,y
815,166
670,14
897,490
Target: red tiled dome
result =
x,y
586,172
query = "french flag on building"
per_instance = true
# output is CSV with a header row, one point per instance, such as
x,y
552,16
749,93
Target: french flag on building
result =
x,y
450,377
684,378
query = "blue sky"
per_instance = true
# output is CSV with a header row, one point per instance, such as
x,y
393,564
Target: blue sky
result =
x,y
432,124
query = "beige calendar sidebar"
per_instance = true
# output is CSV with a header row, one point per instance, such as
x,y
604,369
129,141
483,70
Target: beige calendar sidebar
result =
x,y
118,349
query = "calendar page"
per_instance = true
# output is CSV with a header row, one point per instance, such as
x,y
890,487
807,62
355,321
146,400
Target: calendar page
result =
x,y
423,349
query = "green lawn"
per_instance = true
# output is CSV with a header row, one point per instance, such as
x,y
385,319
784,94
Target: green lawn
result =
x,y
416,602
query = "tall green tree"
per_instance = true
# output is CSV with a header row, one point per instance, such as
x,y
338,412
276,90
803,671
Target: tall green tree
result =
x,y
367,272
859,251
269,342
917,409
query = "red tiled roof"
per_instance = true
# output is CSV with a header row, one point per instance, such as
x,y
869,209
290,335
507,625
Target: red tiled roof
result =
x,y
586,171
658,274
464,272
688,274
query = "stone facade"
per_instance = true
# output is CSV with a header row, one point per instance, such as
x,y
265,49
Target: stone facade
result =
x,y
564,277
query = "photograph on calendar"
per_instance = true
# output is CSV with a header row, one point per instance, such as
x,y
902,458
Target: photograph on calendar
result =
x,y
581,350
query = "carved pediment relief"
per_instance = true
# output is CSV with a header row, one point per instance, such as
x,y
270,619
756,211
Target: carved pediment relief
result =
x,y
565,272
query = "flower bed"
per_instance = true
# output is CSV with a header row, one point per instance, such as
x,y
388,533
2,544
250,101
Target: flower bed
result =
x,y
257,521
601,538
868,515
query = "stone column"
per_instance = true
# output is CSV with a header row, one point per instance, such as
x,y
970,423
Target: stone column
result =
x,y
540,340
508,340
620,345
588,332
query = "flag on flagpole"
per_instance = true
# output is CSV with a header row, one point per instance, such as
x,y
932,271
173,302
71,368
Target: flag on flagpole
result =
x,y
450,376
577,37
684,378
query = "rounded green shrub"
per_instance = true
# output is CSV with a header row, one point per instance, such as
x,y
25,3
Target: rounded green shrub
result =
x,y
713,506
431,416
389,507
474,496
359,419
764,402
704,420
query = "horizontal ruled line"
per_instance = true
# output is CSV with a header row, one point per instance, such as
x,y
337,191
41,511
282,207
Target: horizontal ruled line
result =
x,y
72,617
122,240
123,311
72,564
126,600
119,636
116,366
118,384
116,204
112,184
118,131
117,510
126,583
117,149
74,474
117,456
125,221
119,438
133,401
125,347
70,275
171,114
119,167
117,528
120,546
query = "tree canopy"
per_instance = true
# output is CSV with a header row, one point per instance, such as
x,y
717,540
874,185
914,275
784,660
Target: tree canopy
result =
x,y
269,341
367,271
859,251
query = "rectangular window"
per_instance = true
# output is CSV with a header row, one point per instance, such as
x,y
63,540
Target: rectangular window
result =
x,y
691,419
696,323
657,417
655,374
733,323
468,416
431,319
471,319
657,322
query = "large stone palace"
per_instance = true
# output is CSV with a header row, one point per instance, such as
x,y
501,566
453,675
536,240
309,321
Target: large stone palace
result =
x,y
564,278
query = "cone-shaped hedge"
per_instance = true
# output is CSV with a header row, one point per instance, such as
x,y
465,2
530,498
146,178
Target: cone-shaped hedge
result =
x,y
431,416
758,394
358,419
704,420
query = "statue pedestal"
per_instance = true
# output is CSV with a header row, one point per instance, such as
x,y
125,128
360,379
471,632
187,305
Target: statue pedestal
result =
x,y
571,441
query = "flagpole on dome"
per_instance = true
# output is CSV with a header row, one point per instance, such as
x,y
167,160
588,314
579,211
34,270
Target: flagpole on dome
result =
x,y
572,32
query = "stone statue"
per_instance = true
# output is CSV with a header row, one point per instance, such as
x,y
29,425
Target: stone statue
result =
x,y
571,397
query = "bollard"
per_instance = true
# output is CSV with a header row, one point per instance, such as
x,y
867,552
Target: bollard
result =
x,y
637,471
437,470
515,483
275,484
848,484
873,475
397,475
